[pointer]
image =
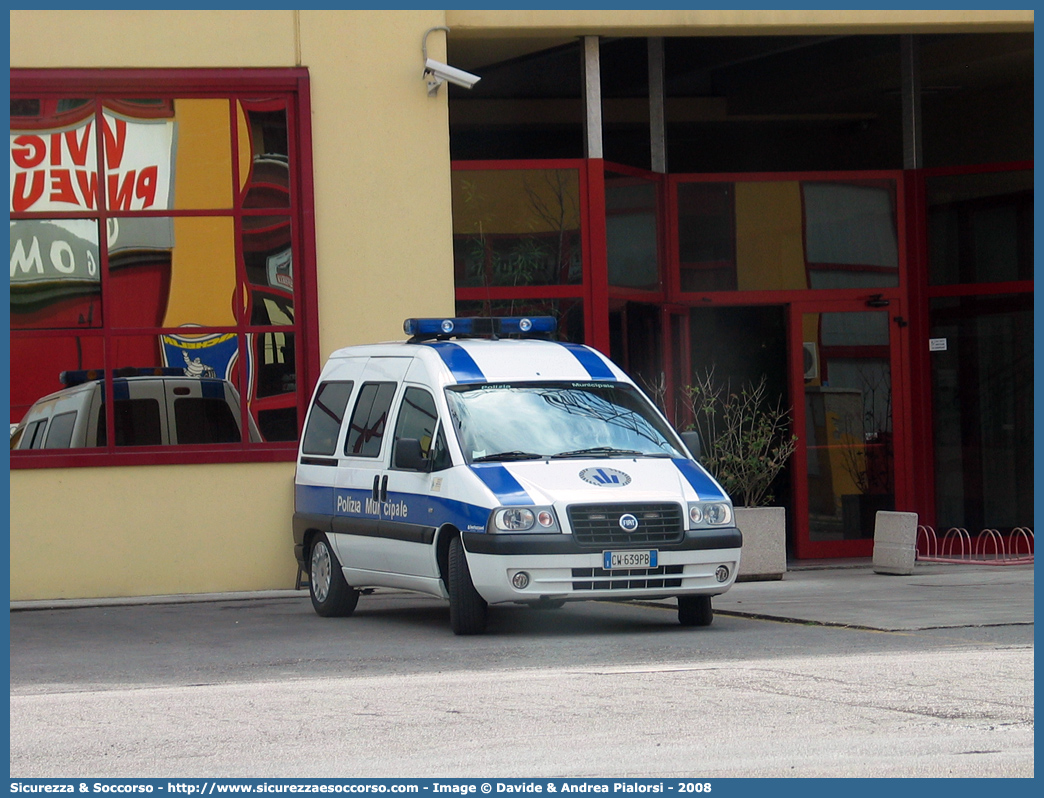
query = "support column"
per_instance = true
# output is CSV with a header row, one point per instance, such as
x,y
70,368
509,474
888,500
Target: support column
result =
x,y
592,99
596,272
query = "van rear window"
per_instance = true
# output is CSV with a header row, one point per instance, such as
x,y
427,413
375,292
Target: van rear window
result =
x,y
205,420
137,423
324,423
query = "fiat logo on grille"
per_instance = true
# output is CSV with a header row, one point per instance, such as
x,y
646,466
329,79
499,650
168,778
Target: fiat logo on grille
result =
x,y
628,523
605,477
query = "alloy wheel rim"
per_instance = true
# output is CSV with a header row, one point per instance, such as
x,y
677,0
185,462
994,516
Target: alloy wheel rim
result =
x,y
321,569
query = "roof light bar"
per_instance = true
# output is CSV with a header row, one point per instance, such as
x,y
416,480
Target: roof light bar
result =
x,y
480,327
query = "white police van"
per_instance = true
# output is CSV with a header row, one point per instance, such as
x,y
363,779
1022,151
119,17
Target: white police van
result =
x,y
481,464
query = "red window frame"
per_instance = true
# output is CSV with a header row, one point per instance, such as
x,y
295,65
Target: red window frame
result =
x,y
291,85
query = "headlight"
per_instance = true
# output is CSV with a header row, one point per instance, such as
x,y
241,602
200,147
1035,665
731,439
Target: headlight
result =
x,y
704,514
524,519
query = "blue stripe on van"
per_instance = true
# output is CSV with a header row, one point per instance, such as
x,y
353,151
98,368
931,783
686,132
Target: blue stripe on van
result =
x,y
504,486
699,479
421,510
594,364
464,368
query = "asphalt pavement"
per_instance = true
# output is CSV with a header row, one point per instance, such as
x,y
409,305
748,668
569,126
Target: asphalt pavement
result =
x,y
838,593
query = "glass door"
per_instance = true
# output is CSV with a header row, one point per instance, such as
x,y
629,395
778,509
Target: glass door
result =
x,y
846,355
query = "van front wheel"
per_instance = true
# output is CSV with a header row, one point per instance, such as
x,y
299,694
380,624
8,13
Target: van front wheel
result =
x,y
332,596
468,609
695,611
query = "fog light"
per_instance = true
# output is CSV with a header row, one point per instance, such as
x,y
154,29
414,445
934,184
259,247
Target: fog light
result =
x,y
520,580
722,573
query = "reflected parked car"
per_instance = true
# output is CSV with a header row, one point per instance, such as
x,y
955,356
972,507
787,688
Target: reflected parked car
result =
x,y
151,407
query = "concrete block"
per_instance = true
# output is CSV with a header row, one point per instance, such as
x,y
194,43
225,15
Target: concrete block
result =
x,y
764,554
895,543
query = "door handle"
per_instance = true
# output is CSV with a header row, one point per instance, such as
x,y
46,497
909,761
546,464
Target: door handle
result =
x,y
375,494
384,488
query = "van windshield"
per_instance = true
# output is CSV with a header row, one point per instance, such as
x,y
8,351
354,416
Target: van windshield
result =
x,y
529,421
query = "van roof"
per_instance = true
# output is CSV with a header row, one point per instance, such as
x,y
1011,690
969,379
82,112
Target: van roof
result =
x,y
475,361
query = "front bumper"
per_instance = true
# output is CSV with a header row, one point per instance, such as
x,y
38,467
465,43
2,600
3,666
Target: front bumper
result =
x,y
705,562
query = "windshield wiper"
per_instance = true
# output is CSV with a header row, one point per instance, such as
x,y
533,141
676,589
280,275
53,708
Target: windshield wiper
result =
x,y
515,455
604,451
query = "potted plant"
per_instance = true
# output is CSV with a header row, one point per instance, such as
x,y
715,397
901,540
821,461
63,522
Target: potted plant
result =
x,y
745,442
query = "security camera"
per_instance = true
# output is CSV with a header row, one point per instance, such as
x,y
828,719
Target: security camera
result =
x,y
439,73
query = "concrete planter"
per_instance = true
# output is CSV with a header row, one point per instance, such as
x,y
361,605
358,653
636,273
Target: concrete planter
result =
x,y
764,555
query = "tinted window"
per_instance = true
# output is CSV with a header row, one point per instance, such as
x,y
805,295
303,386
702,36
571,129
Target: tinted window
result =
x,y
418,419
137,422
369,419
205,420
324,422
59,434
33,435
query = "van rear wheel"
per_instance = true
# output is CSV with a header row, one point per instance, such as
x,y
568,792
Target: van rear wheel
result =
x,y
468,610
695,611
332,596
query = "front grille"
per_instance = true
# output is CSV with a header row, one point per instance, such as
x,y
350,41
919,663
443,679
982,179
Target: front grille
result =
x,y
622,579
598,525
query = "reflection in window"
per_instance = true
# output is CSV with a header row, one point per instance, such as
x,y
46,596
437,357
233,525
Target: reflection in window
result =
x,y
268,185
786,235
55,274
568,312
37,365
980,227
417,418
983,403
162,201
517,227
706,237
324,423
850,236
137,422
369,419
60,432
205,419
632,241
268,257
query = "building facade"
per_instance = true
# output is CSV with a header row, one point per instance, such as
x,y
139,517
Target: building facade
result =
x,y
837,202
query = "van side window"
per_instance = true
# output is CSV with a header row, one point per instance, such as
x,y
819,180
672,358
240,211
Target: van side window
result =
x,y
369,419
205,419
324,422
59,434
418,419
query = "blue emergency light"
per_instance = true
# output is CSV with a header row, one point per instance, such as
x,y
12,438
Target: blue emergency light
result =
x,y
480,327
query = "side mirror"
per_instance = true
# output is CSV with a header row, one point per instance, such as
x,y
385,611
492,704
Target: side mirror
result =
x,y
692,440
408,455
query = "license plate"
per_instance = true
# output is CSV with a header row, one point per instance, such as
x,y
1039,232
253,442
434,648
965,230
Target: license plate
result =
x,y
612,560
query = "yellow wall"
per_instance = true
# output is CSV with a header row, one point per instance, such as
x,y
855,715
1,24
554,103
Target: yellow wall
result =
x,y
157,530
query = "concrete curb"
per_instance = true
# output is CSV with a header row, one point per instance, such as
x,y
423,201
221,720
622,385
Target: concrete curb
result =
x,y
130,601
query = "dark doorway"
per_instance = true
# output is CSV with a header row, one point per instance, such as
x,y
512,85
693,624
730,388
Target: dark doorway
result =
x,y
743,345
